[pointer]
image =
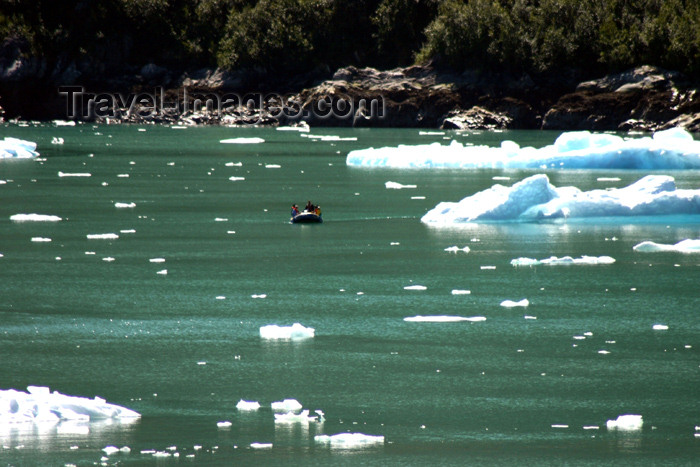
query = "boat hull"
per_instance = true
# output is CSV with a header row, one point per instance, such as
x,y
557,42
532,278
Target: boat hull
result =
x,y
306,218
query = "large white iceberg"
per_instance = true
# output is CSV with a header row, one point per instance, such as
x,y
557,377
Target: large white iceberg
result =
x,y
668,149
535,199
13,148
684,246
40,405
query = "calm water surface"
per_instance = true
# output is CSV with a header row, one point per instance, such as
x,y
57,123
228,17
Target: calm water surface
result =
x,y
93,317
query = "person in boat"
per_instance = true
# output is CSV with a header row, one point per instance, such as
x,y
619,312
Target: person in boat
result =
x,y
309,207
317,211
295,210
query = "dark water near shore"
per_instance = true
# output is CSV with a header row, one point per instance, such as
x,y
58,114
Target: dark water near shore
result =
x,y
94,316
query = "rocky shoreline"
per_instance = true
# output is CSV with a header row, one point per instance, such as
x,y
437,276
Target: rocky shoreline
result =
x,y
643,99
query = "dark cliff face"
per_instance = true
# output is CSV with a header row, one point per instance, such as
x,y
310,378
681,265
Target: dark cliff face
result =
x,y
645,98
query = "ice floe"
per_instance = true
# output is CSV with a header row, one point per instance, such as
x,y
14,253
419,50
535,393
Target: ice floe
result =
x,y
660,327
39,405
349,440
511,304
535,199
41,239
124,205
626,423
684,246
13,148
415,287
668,149
295,331
443,319
242,141
562,261
247,405
34,218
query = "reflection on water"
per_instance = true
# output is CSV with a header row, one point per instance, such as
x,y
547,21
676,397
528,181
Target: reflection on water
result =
x,y
58,436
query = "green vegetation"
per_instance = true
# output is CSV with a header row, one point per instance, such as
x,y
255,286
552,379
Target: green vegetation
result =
x,y
295,36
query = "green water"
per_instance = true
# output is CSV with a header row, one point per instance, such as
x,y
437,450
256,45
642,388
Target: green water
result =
x,y
94,317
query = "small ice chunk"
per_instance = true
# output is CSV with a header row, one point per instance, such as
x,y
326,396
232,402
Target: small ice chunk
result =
x,y
236,179
660,327
625,423
560,426
455,249
349,440
157,260
242,141
124,205
293,332
461,292
443,319
287,405
224,424
487,268
293,417
41,239
273,166
261,295
510,303
74,174
261,445
163,272
247,405
415,287
105,236
109,450
397,186
234,164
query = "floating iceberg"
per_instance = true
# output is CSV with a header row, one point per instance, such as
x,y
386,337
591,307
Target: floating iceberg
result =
x,y
39,405
443,319
34,218
295,331
625,423
247,405
684,246
349,440
669,149
535,199
415,287
564,260
287,405
13,148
